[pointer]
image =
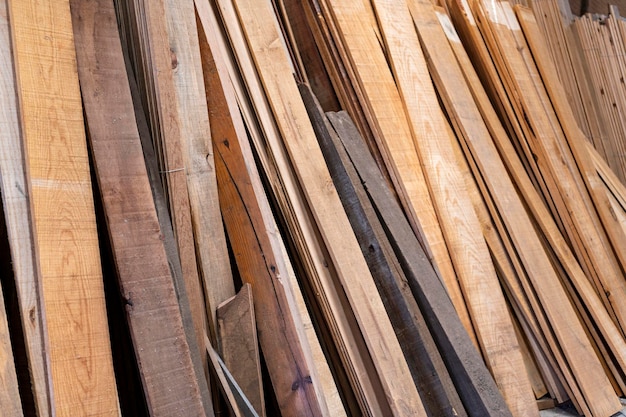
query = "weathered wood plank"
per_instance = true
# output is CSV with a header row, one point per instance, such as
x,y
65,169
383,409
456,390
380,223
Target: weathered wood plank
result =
x,y
306,157
155,322
14,187
197,156
475,386
238,342
62,204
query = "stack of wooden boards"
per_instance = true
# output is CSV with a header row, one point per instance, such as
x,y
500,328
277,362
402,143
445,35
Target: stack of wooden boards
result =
x,y
306,208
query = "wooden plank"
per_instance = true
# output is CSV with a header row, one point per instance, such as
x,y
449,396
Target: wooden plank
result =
x,y
456,215
169,241
474,384
291,117
238,342
197,157
249,221
317,272
354,201
155,75
165,364
589,374
62,203
539,211
320,278
14,188
395,140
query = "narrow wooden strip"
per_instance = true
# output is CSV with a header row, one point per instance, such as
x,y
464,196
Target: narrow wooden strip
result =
x,y
141,262
14,188
169,241
197,156
588,372
325,205
539,211
236,328
246,215
62,201
318,275
474,384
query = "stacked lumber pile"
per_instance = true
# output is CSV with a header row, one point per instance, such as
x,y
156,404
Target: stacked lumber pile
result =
x,y
309,208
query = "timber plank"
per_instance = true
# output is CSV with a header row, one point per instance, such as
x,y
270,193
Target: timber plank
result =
x,y
540,212
258,255
395,140
197,157
152,306
238,342
299,138
475,386
320,281
589,374
457,218
354,201
62,204
154,64
14,188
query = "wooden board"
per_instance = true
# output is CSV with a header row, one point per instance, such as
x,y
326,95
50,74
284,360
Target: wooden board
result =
x,y
459,223
299,139
589,374
475,386
165,364
248,221
373,243
14,188
149,47
319,278
197,156
62,201
238,342
395,141
539,211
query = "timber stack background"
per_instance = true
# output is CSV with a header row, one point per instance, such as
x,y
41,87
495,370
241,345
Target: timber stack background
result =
x,y
312,208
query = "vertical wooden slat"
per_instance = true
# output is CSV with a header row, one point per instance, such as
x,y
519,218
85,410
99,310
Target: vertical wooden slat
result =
x,y
62,201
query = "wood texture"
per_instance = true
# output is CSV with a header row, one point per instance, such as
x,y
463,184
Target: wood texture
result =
x,y
248,221
14,188
395,141
319,276
238,342
141,262
475,386
9,392
150,51
325,205
370,235
197,156
58,167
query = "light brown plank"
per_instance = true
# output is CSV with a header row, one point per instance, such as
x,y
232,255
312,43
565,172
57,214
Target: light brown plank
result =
x,y
62,203
300,141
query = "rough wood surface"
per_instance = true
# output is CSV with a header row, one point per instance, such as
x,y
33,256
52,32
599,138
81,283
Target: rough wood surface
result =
x,y
238,342
14,188
141,262
306,157
62,201
197,156
475,386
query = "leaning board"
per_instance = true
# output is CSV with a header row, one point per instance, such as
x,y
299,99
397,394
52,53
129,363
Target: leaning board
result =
x,y
62,203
